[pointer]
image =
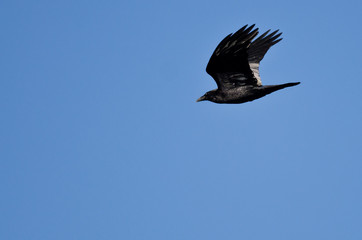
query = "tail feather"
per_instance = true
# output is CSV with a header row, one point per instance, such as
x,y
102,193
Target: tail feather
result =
x,y
273,88
290,84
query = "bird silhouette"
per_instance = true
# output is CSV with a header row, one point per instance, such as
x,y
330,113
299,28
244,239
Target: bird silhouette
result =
x,y
234,65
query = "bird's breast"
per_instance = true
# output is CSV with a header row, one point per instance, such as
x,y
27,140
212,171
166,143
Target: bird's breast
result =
x,y
238,95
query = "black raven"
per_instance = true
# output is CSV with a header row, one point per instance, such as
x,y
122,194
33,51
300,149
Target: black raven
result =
x,y
234,65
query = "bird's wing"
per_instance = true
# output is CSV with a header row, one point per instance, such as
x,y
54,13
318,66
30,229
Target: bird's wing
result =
x,y
258,49
229,64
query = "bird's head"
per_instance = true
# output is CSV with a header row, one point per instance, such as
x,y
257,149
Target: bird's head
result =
x,y
209,96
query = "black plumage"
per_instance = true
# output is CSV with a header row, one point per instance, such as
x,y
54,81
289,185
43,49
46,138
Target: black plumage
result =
x,y
234,65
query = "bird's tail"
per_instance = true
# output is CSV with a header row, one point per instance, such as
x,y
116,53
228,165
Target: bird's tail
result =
x,y
272,88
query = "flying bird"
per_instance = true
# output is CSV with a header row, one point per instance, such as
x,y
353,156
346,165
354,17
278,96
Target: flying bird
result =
x,y
234,66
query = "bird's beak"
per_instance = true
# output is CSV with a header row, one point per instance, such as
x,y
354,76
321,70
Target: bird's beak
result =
x,y
201,99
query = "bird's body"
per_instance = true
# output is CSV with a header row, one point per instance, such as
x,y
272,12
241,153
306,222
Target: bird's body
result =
x,y
234,65
245,93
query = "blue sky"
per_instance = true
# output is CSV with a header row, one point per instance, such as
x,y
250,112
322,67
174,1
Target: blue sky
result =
x,y
101,137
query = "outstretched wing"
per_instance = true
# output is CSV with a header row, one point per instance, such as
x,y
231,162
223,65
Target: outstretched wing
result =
x,y
258,49
229,64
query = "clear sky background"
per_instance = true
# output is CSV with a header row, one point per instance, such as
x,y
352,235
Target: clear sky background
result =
x,y
101,137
